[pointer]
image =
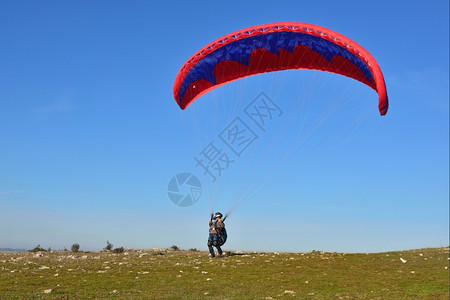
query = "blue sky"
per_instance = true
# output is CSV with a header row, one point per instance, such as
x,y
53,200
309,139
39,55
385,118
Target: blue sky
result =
x,y
90,134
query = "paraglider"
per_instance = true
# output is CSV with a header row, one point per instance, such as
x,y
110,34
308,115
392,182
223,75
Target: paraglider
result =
x,y
268,48
217,233
275,47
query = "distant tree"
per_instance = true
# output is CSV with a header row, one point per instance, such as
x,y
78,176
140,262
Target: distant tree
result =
x,y
65,249
108,247
49,249
193,249
118,250
175,248
37,249
75,247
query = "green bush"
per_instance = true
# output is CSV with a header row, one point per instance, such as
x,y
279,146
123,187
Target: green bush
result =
x,y
75,247
118,250
37,249
108,247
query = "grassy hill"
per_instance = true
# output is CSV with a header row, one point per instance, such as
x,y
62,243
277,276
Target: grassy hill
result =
x,y
167,274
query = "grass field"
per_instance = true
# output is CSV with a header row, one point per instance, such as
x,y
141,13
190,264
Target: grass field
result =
x,y
167,274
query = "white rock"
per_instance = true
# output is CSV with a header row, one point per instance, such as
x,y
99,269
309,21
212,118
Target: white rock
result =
x,y
403,260
48,291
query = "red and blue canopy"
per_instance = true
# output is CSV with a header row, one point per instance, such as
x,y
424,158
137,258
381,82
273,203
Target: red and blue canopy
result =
x,y
275,47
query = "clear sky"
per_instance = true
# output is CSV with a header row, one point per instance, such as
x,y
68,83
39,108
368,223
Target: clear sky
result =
x,y
90,135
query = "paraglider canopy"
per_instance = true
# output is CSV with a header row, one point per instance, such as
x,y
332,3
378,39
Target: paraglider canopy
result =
x,y
275,47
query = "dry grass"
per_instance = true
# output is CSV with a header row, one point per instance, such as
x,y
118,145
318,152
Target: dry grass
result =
x,y
165,274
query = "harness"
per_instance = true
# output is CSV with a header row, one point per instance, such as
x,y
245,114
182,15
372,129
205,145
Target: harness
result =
x,y
221,231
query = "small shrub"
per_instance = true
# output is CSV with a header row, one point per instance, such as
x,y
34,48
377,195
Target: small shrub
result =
x,y
37,249
193,249
175,248
118,250
108,247
75,247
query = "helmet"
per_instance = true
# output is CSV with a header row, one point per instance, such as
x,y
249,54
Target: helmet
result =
x,y
218,215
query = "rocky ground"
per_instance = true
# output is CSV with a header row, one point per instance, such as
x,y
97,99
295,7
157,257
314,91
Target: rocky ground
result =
x,y
168,274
